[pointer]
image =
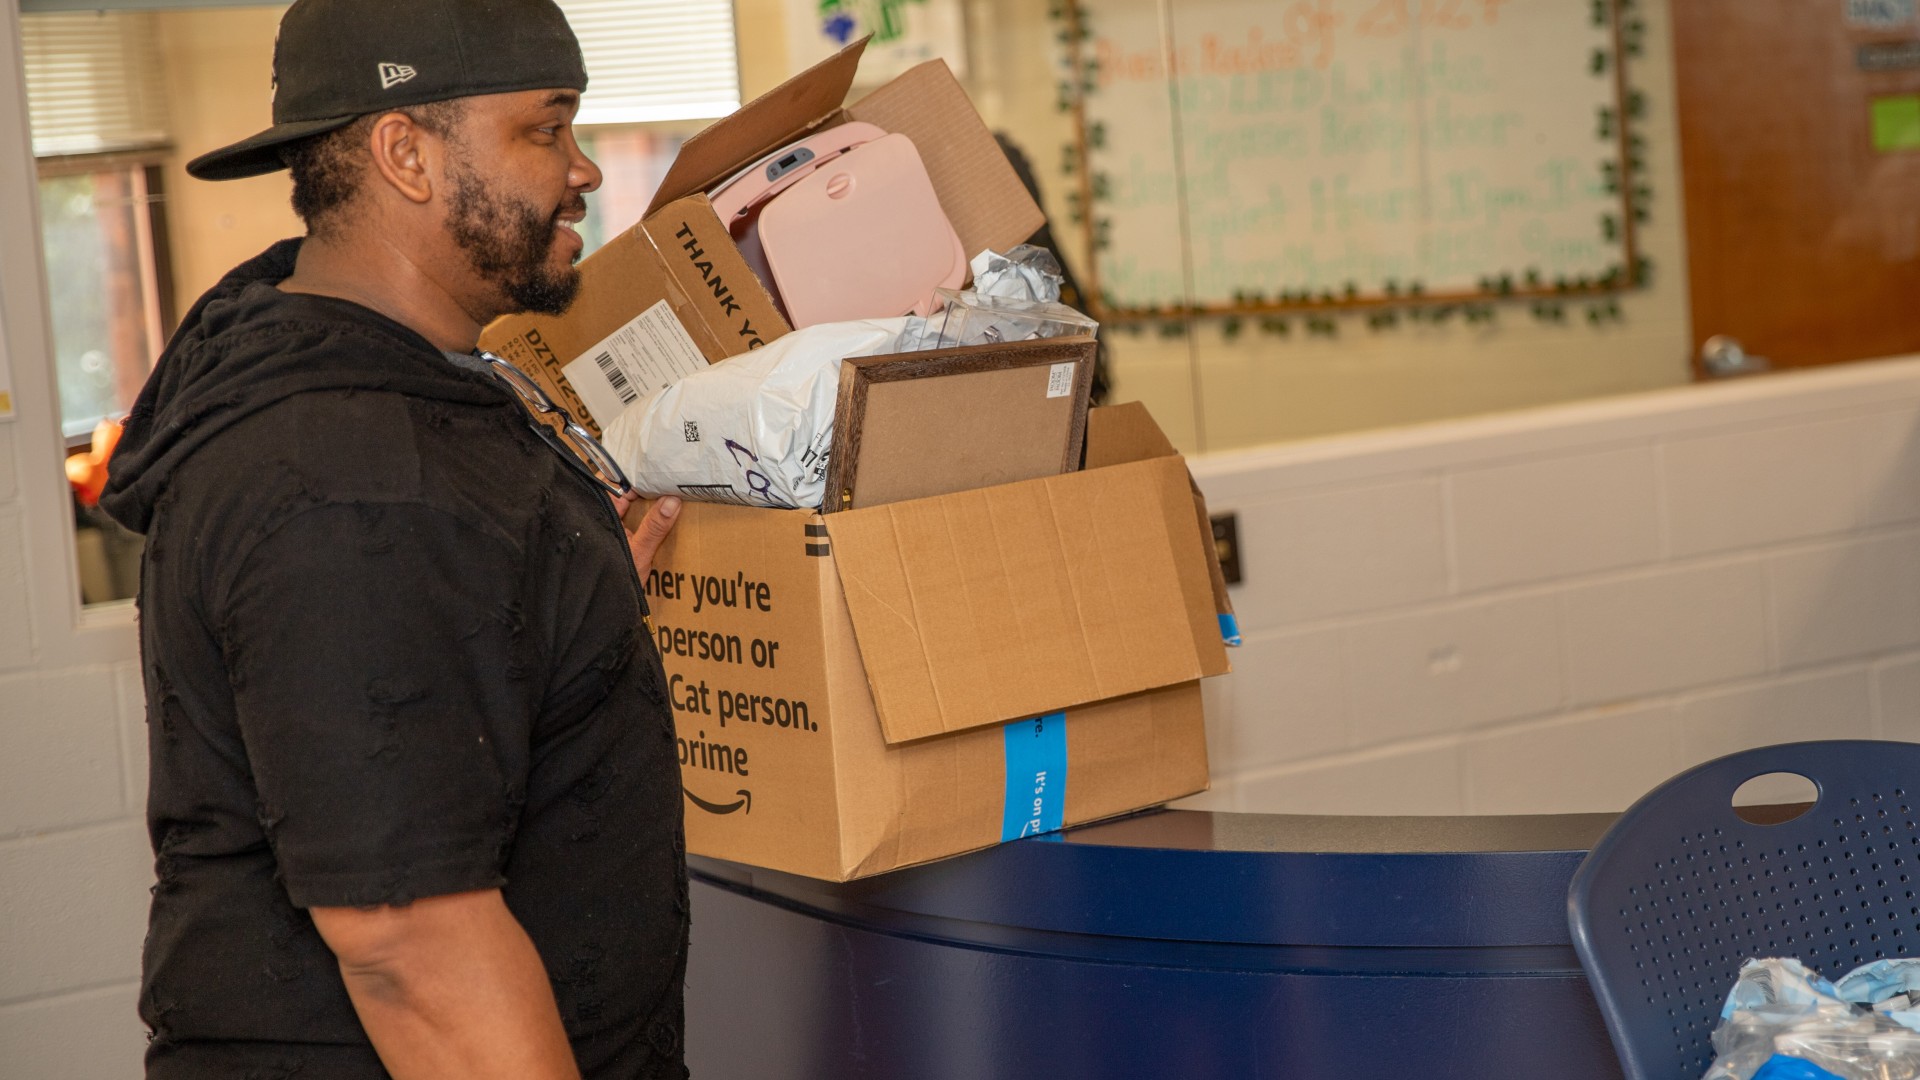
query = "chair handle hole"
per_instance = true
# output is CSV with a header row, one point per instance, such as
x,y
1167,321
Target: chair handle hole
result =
x,y
1774,798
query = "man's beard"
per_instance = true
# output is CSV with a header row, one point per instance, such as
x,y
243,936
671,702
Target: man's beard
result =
x,y
509,244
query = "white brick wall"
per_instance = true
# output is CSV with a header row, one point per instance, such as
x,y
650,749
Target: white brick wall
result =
x,y
79,1036
74,863
1553,611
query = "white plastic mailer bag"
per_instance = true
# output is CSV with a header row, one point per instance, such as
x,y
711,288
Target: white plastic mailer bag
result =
x,y
753,429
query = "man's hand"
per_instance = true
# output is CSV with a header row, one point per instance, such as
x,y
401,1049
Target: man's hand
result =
x,y
450,988
645,538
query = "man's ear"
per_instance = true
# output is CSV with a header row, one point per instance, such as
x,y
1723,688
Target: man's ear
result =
x,y
401,149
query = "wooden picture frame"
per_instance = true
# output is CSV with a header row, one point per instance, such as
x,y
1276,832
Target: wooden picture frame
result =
x,y
916,425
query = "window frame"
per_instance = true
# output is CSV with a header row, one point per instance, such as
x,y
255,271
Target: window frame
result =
x,y
64,631
147,170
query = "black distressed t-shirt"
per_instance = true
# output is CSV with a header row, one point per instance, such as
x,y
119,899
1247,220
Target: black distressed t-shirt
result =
x,y
393,649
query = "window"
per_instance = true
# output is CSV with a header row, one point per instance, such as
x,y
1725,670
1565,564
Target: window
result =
x,y
658,73
104,129
96,101
100,223
654,62
633,159
97,104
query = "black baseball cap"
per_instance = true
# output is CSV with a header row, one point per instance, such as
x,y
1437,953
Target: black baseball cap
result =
x,y
337,60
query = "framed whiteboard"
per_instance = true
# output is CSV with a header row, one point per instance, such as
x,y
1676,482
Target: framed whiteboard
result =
x,y
1278,155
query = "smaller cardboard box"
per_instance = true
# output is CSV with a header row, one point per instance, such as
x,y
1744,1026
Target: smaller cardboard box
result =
x,y
675,286
880,687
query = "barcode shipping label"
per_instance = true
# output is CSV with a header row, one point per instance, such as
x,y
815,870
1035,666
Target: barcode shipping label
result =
x,y
650,353
1060,380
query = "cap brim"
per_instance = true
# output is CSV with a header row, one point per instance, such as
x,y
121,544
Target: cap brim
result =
x,y
260,154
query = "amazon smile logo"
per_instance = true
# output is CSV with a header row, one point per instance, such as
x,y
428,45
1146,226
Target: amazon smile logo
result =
x,y
743,804
699,753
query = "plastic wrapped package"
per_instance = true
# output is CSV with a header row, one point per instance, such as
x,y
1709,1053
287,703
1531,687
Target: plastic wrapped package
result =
x,y
1785,1022
972,319
753,429
1015,297
1026,272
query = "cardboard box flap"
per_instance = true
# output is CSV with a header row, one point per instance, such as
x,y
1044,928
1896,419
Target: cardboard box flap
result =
x,y
1018,600
732,305
760,126
1216,576
1117,434
982,195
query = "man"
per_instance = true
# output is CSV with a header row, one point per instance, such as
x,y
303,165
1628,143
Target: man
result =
x,y
414,799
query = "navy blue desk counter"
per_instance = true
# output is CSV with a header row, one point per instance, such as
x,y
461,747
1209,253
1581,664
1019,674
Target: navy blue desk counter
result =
x,y
1176,944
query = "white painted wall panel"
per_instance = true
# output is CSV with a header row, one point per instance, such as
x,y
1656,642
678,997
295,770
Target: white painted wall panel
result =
x,y
1737,562
1556,517
63,730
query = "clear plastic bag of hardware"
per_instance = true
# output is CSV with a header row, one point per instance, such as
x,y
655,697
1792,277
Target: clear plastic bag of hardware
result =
x,y
1015,297
1783,1021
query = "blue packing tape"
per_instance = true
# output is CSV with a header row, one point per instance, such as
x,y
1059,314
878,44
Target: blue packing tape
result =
x,y
1230,629
1036,777
1783,1067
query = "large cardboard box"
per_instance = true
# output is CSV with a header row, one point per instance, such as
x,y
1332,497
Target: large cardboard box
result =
x,y
679,260
843,684
880,687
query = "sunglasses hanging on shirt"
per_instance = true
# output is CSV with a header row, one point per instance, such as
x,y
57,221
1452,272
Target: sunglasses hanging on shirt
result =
x,y
585,451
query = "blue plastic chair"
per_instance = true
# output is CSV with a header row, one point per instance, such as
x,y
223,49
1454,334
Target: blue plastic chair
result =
x,y
1681,891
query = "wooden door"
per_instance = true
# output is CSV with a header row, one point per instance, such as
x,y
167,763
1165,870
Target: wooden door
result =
x,y
1803,236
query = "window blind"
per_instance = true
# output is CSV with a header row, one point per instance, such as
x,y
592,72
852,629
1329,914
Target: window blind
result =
x,y
94,82
95,79
656,61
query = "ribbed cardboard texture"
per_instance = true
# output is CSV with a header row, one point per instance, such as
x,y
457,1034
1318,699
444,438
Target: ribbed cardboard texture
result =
x,y
980,606
812,744
1121,433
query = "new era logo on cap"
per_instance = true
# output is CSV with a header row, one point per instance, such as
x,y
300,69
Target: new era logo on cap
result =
x,y
392,75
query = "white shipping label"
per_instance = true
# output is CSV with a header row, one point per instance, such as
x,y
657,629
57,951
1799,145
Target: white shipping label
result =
x,y
650,353
1060,380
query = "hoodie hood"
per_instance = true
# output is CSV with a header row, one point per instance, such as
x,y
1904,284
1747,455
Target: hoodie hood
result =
x,y
246,346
